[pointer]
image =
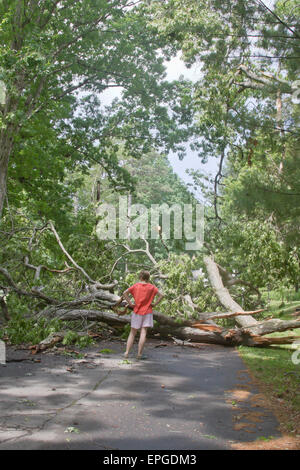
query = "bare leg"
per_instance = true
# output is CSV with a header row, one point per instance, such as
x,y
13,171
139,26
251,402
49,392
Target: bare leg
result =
x,y
130,341
142,340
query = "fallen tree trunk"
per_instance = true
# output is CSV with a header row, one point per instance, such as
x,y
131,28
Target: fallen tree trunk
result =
x,y
203,330
187,330
48,342
217,316
250,326
272,326
223,293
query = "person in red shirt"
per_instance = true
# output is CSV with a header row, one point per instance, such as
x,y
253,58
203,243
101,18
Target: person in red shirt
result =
x,y
141,318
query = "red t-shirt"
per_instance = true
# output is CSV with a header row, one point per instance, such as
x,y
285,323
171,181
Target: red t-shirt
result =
x,y
143,295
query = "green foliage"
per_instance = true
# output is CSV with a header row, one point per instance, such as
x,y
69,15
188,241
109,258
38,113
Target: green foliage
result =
x,y
180,282
126,331
82,244
84,341
255,137
65,141
55,62
71,429
72,337
74,354
155,184
106,351
289,296
21,330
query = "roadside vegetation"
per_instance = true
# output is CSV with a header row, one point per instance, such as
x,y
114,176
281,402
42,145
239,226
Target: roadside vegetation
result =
x,y
274,368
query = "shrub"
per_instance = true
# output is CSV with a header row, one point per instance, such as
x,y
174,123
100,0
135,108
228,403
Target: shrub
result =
x,y
29,330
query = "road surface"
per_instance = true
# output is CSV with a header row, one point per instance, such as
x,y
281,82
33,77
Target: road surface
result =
x,y
180,398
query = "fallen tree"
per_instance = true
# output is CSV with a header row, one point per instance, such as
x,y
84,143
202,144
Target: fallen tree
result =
x,y
103,305
192,330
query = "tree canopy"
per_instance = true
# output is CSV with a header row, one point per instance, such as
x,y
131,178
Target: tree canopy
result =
x,y
64,152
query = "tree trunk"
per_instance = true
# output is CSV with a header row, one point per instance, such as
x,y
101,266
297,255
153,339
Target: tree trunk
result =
x,y
4,309
6,146
3,178
189,330
270,326
223,293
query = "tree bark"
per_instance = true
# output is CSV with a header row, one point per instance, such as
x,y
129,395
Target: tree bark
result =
x,y
3,177
4,309
6,145
223,293
270,326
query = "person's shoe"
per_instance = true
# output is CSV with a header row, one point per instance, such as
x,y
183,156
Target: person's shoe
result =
x,y
142,357
125,355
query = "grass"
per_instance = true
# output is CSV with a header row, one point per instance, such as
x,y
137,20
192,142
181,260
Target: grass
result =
x,y
281,307
274,368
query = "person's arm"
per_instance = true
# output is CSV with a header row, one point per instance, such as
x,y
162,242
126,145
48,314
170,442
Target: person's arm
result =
x,y
159,296
127,298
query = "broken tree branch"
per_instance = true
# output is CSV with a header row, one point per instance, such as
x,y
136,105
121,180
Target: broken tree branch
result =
x,y
249,325
130,251
223,293
229,280
68,255
39,268
269,81
235,314
33,293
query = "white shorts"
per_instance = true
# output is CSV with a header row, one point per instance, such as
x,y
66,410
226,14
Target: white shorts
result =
x,y
139,321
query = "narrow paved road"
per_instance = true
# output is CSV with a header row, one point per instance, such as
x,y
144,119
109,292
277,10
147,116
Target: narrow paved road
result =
x,y
180,398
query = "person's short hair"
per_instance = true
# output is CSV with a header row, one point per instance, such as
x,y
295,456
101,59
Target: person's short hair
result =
x,y
144,275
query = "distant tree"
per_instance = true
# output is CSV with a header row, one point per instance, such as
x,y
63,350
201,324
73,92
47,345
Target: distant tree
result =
x,y
56,57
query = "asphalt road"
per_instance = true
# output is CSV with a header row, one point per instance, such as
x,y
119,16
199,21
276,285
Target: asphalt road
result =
x,y
179,398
